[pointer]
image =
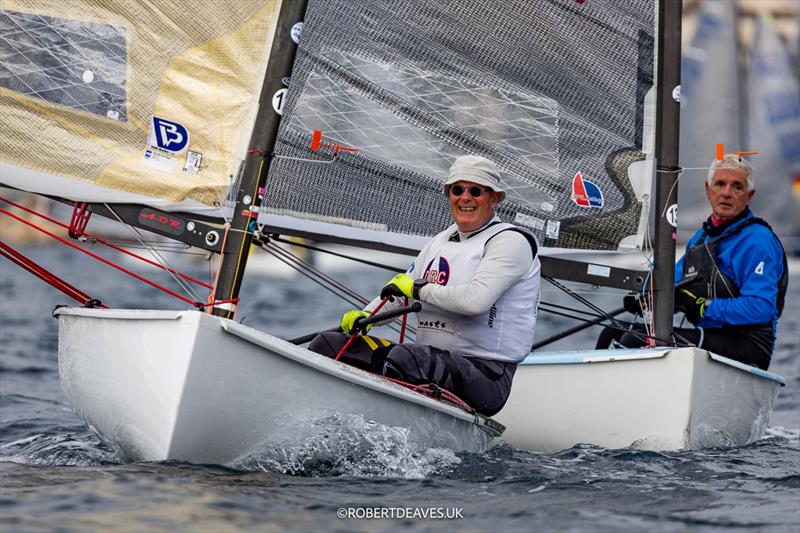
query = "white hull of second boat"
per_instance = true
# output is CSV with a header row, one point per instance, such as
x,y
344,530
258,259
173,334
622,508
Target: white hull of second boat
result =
x,y
185,385
657,399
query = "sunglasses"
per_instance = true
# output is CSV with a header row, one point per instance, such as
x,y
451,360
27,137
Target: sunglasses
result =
x,y
475,191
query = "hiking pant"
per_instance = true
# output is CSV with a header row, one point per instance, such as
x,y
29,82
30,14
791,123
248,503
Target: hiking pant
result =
x,y
746,344
484,384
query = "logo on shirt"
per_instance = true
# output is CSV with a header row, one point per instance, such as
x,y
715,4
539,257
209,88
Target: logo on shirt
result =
x,y
438,274
585,193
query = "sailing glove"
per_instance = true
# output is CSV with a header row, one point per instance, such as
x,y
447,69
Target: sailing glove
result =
x,y
402,285
349,320
692,306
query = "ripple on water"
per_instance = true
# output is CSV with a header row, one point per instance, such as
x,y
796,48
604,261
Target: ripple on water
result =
x,y
59,450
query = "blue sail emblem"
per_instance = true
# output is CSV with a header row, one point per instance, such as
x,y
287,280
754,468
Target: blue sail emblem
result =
x,y
167,135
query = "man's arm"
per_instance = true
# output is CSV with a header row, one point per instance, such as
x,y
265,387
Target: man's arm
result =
x,y
506,259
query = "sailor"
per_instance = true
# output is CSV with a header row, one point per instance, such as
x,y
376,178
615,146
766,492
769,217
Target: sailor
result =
x,y
478,282
731,282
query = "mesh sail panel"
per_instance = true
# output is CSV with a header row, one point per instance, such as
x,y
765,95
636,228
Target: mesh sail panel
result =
x,y
81,81
549,90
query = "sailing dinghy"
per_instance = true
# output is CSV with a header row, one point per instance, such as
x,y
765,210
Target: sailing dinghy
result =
x,y
198,127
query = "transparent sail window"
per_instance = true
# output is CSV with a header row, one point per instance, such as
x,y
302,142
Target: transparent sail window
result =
x,y
420,121
78,64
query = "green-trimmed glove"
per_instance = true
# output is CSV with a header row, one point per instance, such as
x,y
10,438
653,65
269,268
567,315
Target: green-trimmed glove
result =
x,y
349,320
692,306
400,285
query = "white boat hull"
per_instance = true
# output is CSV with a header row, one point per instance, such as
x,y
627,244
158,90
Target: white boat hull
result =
x,y
649,399
186,385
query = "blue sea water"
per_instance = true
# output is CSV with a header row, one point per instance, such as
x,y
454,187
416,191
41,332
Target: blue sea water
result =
x,y
55,475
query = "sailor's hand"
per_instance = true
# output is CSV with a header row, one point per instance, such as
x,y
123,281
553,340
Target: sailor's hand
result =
x,y
349,320
400,285
633,303
693,306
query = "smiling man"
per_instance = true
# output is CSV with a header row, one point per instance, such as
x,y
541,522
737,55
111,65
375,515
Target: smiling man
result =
x,y
478,282
733,276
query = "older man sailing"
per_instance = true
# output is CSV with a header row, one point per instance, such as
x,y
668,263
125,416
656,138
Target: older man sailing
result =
x,y
733,276
478,281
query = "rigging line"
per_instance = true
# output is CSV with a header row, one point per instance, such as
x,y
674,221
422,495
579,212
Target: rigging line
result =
x,y
621,326
168,247
307,270
45,275
158,257
300,264
329,279
565,308
323,250
679,172
101,241
318,282
575,329
581,299
101,259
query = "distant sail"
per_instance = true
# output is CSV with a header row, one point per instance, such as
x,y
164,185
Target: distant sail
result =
x,y
548,90
121,100
711,106
774,131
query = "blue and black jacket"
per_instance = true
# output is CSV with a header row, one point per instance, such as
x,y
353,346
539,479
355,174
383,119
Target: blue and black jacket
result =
x,y
750,261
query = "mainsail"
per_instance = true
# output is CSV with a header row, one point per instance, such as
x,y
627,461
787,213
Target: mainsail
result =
x,y
774,130
130,101
557,93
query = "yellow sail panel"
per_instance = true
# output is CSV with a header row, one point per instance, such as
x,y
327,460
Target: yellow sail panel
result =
x,y
151,98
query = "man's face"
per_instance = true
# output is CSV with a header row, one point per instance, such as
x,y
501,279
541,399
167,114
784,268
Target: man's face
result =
x,y
471,212
727,193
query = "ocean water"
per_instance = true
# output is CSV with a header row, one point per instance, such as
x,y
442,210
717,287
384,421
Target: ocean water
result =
x,y
55,475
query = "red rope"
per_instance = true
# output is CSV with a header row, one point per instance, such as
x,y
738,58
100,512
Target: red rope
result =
x,y
403,323
438,393
354,335
45,275
103,260
112,246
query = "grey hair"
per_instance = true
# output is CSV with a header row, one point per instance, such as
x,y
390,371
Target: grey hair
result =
x,y
732,162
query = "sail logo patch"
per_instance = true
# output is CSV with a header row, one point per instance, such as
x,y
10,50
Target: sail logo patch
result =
x,y
439,274
167,135
585,193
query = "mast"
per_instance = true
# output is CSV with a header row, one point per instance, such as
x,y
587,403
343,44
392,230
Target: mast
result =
x,y
259,155
668,77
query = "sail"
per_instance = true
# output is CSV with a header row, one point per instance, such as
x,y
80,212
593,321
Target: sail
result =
x,y
711,106
557,93
774,131
130,101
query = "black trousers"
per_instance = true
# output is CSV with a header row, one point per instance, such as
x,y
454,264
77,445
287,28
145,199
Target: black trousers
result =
x,y
751,345
484,384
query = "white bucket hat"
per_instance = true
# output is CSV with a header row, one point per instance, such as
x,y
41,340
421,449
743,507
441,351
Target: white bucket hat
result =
x,y
475,169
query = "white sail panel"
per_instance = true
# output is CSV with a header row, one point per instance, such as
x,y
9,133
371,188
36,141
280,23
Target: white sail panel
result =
x,y
774,132
147,98
711,106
